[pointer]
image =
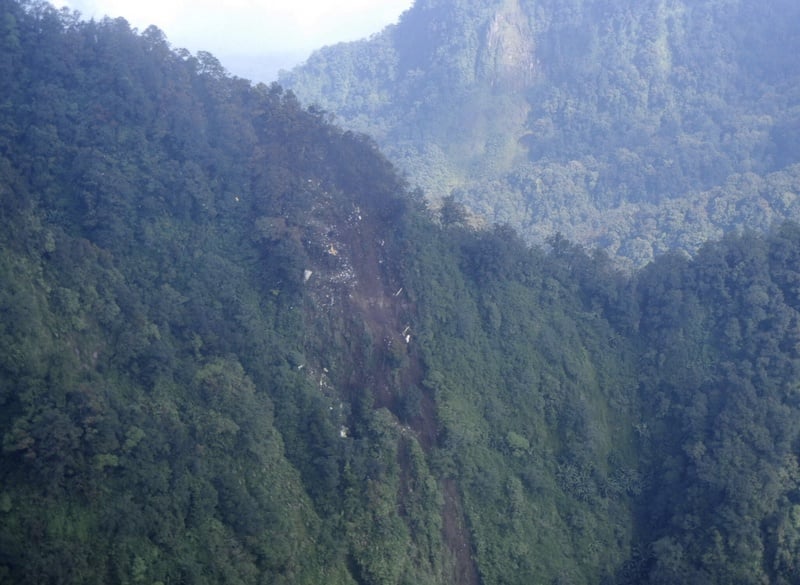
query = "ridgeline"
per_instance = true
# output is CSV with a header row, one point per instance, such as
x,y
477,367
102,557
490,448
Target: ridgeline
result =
x,y
236,347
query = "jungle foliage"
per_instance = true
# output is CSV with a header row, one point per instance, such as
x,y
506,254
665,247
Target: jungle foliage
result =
x,y
638,127
235,347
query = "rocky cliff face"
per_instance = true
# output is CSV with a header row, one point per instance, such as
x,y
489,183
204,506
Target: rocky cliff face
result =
x,y
507,59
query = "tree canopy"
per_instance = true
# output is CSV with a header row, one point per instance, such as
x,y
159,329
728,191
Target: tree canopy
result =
x,y
236,347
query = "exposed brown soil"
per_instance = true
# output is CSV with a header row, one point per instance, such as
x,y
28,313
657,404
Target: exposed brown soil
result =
x,y
370,299
456,536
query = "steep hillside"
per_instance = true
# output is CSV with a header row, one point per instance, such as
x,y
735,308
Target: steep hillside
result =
x,y
235,348
621,124
719,413
221,354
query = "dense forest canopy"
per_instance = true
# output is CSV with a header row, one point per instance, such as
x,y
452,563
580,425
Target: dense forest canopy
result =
x,y
636,127
235,347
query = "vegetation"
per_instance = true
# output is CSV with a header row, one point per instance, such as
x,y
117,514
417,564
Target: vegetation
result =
x,y
235,347
633,127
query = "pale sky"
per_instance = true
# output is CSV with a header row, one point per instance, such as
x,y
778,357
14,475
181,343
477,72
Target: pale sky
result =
x,y
252,38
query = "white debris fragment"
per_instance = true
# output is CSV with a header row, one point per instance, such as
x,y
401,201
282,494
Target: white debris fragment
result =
x,y
307,274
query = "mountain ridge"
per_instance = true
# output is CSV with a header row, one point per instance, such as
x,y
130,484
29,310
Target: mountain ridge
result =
x,y
236,347
617,104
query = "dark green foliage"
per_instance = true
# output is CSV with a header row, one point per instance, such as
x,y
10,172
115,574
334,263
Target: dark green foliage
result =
x,y
532,404
235,349
718,386
149,304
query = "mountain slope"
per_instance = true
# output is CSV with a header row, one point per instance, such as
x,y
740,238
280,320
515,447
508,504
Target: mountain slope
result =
x,y
214,363
234,348
160,419
601,120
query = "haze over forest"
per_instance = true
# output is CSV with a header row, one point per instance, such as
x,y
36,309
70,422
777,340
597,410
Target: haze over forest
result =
x,y
634,127
238,344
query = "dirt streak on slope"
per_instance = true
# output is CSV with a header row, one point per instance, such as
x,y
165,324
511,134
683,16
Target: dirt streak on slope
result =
x,y
386,310
456,536
369,298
